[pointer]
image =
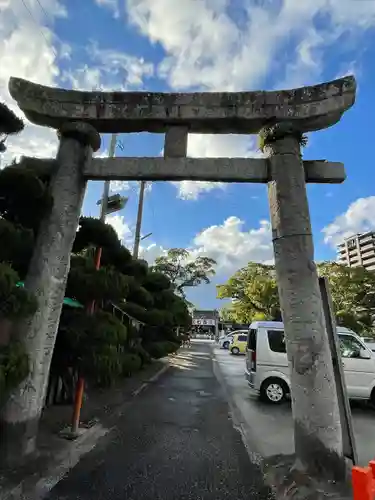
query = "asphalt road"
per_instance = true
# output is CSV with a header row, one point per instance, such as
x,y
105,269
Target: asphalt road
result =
x,y
272,425
176,441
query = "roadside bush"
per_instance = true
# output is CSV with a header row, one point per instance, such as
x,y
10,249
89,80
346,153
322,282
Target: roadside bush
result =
x,y
131,363
171,347
142,353
159,350
156,350
14,367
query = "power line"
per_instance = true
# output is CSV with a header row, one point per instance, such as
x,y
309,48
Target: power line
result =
x,y
38,25
43,9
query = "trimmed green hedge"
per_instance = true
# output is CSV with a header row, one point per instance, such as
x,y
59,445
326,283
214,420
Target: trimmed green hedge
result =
x,y
14,367
130,363
159,350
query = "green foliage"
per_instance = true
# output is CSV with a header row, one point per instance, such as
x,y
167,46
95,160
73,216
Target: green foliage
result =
x,y
85,283
120,258
142,353
140,295
92,344
9,121
253,290
14,367
137,268
156,282
275,132
24,198
254,295
353,295
183,271
130,363
15,302
135,311
157,350
16,246
93,232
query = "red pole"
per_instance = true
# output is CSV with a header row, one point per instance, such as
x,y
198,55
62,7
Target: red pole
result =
x,y
81,382
77,405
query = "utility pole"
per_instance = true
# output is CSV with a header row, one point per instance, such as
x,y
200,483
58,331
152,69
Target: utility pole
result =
x,y
105,195
137,238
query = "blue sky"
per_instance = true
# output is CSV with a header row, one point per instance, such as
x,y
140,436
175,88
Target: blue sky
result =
x,y
212,45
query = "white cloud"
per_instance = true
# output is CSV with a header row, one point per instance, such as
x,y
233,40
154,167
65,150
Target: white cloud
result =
x,y
29,50
111,5
119,186
203,146
109,70
232,247
206,47
358,218
121,227
227,243
151,252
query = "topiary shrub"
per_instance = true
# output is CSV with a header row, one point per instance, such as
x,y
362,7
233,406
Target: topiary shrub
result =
x,y
14,367
140,351
92,345
161,349
15,301
131,363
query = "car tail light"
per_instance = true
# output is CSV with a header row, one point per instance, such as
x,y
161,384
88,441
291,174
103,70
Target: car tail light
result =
x,y
253,360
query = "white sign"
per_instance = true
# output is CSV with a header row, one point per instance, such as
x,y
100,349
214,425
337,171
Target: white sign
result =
x,y
204,322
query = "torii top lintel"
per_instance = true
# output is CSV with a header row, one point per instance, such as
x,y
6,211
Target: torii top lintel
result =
x,y
309,108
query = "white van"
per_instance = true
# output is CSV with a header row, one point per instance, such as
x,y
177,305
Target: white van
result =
x,y
267,369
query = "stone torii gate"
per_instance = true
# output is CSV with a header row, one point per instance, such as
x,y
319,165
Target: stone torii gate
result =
x,y
281,117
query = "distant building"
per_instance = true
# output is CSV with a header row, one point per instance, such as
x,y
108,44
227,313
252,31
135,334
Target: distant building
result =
x,y
358,250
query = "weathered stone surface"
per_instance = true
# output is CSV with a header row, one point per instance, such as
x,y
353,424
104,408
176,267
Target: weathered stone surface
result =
x,y
175,143
83,132
316,416
204,169
309,108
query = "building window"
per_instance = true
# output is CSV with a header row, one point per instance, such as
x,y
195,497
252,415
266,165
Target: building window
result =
x,y
351,243
276,341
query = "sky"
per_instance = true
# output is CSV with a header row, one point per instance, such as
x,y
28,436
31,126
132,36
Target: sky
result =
x,y
205,45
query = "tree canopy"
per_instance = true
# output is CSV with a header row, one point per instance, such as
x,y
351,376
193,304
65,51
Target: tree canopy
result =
x,y
183,270
253,290
254,294
9,124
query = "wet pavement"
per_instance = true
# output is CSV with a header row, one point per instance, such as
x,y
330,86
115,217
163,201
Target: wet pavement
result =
x,y
176,440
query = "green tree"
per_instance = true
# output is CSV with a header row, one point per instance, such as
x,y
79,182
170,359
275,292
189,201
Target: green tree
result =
x,y
184,271
9,124
254,294
353,295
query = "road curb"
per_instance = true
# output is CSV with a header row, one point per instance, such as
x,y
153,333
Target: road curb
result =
x,y
35,487
152,379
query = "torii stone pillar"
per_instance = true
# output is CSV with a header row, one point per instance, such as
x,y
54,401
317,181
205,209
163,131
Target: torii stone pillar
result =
x,y
288,114
46,279
317,427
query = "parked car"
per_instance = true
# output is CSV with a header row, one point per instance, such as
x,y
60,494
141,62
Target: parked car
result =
x,y
238,344
225,339
267,368
370,342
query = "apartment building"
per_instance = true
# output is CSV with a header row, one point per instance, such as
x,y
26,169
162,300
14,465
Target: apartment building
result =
x,y
358,250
